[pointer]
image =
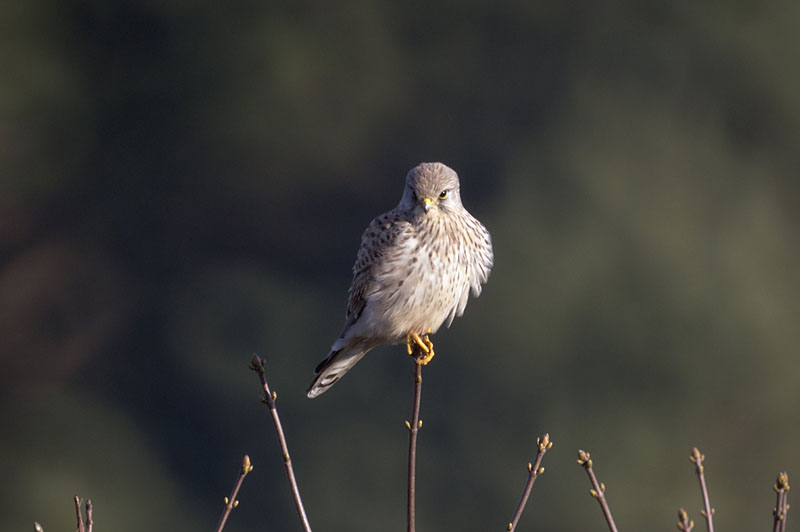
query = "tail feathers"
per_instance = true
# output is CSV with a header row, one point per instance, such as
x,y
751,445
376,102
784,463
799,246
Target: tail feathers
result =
x,y
330,370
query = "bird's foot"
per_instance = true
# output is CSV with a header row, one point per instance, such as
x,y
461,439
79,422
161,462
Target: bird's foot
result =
x,y
421,348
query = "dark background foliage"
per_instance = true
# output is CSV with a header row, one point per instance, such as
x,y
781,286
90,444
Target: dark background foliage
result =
x,y
182,184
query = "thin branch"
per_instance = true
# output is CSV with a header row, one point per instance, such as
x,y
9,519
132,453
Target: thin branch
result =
x,y
684,523
781,487
79,515
413,427
232,502
89,515
598,489
534,470
269,398
708,512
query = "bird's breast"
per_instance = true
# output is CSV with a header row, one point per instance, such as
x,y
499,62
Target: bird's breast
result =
x,y
421,281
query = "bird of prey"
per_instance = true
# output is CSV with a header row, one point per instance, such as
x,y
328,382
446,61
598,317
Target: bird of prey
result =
x,y
414,271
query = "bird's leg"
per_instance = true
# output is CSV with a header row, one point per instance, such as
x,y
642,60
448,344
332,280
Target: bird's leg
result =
x,y
426,339
413,341
424,345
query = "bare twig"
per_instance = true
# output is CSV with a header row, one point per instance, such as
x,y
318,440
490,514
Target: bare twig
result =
x,y
89,516
534,470
598,489
232,502
413,427
79,515
781,487
257,365
684,523
708,512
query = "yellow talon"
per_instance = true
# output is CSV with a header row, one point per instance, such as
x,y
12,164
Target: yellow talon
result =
x,y
429,356
413,338
424,344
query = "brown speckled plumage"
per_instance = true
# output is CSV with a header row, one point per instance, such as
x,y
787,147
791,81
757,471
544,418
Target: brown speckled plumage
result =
x,y
414,271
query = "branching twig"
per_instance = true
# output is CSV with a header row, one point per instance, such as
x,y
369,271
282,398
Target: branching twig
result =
x,y
534,470
232,502
413,427
708,512
269,399
79,515
598,489
684,523
781,487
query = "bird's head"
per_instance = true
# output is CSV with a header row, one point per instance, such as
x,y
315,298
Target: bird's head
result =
x,y
431,187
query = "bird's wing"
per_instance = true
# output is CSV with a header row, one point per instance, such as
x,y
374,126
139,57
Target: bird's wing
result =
x,y
483,258
478,268
380,240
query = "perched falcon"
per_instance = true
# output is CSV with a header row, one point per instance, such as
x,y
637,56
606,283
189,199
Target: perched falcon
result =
x,y
414,271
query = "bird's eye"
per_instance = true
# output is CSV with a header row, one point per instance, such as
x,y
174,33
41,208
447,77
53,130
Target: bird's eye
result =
x,y
443,194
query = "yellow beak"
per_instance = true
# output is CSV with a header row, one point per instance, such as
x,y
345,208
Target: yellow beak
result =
x,y
426,203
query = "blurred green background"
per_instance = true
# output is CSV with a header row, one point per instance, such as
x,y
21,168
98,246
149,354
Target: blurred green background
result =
x,y
184,183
